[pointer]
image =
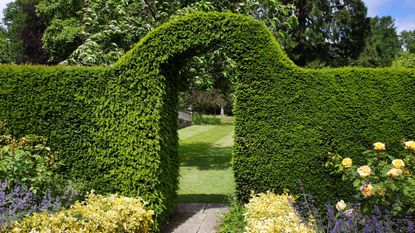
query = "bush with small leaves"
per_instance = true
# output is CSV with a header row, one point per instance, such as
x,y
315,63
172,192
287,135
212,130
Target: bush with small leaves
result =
x,y
97,214
268,212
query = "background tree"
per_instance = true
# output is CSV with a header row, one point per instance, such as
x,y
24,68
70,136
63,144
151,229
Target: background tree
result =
x,y
330,32
24,31
382,44
64,29
407,39
5,52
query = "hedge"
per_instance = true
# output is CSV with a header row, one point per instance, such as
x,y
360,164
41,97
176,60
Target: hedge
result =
x,y
116,127
55,102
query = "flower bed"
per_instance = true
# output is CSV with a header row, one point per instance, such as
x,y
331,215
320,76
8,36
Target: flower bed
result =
x,y
98,214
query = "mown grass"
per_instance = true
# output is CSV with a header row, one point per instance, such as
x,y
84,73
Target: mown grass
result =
x,y
205,169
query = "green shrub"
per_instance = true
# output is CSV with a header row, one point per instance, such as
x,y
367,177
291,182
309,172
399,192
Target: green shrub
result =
x,y
28,161
57,103
383,180
233,222
267,212
97,214
199,119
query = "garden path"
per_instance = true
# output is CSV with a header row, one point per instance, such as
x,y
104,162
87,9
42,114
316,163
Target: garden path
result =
x,y
196,218
206,178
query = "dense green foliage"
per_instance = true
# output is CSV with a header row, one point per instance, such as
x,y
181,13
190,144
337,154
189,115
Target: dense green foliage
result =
x,y
55,102
5,51
313,113
330,33
28,161
200,119
407,39
382,45
117,127
97,214
24,32
404,60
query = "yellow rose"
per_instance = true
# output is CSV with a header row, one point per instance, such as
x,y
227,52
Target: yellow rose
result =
x,y
410,145
398,163
341,205
379,147
367,190
394,172
364,171
347,162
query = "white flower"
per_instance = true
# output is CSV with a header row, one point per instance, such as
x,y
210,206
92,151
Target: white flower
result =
x,y
341,205
364,171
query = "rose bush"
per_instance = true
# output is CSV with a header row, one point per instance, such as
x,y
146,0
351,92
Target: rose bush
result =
x,y
384,180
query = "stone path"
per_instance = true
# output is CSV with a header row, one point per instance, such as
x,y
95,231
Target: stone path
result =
x,y
196,218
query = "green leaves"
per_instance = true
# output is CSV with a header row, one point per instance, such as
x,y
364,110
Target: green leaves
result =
x,y
116,127
27,161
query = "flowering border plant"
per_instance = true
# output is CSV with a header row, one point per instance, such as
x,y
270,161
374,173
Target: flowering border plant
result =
x,y
384,180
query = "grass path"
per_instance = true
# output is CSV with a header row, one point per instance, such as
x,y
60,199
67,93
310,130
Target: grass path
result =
x,y
205,155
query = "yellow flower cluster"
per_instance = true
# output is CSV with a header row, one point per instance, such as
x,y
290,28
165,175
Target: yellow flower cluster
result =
x,y
394,172
347,162
268,212
398,163
367,190
379,147
410,145
97,214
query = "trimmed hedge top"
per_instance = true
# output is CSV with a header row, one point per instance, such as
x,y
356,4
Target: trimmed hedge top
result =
x,y
116,127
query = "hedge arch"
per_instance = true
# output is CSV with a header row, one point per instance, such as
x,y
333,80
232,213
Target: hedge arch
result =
x,y
116,127
141,100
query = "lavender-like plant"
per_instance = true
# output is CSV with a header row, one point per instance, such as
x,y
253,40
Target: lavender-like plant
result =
x,y
353,220
18,201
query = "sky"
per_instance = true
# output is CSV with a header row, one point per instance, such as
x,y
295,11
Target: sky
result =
x,y
403,11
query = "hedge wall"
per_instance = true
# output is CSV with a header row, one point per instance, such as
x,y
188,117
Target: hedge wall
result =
x,y
116,127
55,102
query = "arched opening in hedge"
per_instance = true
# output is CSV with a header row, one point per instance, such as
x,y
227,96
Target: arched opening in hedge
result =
x,y
141,100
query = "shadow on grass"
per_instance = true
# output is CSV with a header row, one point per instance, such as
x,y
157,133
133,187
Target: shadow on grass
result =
x,y
204,156
209,198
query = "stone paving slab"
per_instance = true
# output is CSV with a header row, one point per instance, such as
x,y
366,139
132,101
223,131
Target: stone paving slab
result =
x,y
196,218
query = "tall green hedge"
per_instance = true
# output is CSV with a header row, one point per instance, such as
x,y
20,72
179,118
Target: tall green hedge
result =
x,y
55,102
116,127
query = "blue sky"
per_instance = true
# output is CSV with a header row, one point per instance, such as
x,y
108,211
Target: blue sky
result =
x,y
403,11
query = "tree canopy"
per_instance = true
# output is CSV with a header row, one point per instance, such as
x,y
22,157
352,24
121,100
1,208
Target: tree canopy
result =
x,y
382,45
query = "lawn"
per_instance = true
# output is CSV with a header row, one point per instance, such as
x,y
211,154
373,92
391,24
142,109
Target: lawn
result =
x,y
205,156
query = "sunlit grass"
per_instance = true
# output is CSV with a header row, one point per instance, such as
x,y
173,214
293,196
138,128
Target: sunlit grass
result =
x,y
205,156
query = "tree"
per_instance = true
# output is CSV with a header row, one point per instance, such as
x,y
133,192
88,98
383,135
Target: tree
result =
x,y
101,31
5,52
407,39
98,33
330,32
24,32
64,29
382,45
